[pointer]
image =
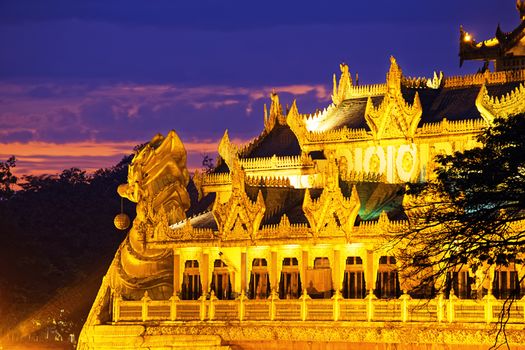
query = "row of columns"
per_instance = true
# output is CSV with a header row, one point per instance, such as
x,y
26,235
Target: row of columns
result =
x,y
239,262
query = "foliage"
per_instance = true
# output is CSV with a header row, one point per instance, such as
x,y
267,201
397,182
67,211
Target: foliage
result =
x,y
55,233
471,214
207,163
7,179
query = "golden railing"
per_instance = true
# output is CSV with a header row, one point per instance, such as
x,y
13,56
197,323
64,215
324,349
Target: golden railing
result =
x,y
404,309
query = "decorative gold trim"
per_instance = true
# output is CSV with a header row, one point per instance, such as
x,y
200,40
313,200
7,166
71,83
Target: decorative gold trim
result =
x,y
332,211
239,217
394,117
491,107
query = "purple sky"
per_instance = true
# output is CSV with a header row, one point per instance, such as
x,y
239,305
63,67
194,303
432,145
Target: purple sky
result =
x,y
82,82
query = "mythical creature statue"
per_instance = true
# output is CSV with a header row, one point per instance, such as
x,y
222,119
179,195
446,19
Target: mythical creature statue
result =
x,y
157,180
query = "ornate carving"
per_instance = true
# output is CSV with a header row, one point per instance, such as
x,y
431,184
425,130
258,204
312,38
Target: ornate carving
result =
x,y
394,117
198,180
239,217
341,92
275,162
276,113
297,124
436,82
157,180
332,209
227,150
268,181
488,78
491,107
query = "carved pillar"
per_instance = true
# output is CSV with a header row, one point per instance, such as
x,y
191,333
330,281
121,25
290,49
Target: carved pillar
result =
x,y
371,270
336,273
204,269
274,272
304,268
243,271
176,273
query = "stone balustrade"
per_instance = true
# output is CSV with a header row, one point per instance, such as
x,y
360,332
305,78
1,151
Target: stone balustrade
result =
x,y
371,309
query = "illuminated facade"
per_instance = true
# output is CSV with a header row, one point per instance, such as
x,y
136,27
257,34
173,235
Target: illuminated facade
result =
x,y
284,244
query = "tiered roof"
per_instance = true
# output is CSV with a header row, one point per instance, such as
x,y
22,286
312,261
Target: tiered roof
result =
x,y
402,108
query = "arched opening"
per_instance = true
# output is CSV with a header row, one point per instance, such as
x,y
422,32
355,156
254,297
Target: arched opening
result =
x,y
191,281
460,282
506,283
259,287
290,285
354,286
387,282
220,282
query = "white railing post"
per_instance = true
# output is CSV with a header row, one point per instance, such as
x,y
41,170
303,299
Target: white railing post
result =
x,y
173,307
242,299
336,307
440,306
211,309
451,301
370,305
489,304
404,305
202,310
145,301
304,307
273,297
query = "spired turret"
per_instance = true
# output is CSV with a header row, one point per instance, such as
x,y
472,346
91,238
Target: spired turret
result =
x,y
506,50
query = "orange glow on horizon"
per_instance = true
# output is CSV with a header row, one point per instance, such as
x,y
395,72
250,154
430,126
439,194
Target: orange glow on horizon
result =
x,y
37,158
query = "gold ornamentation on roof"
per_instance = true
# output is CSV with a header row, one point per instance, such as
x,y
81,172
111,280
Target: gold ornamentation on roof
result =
x,y
341,92
332,210
394,117
491,107
268,181
276,113
239,217
296,123
436,81
227,150
488,78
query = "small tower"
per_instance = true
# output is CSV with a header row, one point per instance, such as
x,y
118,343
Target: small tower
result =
x,y
506,50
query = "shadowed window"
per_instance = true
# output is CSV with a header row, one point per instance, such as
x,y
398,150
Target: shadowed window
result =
x,y
387,282
354,286
191,281
290,284
220,282
259,280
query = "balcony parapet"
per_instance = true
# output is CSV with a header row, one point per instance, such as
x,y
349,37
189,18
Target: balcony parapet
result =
x,y
405,309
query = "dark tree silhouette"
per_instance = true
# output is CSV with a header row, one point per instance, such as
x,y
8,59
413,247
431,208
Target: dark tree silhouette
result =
x,y
7,179
471,214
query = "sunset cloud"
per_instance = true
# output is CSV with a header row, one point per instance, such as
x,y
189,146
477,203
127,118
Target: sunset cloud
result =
x,y
38,158
52,126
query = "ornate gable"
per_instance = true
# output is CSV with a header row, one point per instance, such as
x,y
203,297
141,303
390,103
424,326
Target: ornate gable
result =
x,y
491,107
394,117
239,217
332,211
